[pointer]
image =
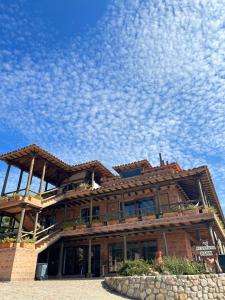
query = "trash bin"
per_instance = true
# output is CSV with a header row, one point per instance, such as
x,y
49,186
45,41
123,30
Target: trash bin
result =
x,y
41,271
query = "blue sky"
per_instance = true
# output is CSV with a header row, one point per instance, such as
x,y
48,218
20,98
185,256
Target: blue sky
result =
x,y
115,80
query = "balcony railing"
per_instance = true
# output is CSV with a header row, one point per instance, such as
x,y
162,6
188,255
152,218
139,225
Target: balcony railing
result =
x,y
134,215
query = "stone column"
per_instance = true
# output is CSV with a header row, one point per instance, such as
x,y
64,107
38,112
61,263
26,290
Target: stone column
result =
x,y
5,180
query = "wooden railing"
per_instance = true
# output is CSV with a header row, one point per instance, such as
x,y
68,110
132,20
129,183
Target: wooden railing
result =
x,y
138,213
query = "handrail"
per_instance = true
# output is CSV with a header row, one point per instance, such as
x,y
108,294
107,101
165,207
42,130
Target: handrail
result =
x,y
49,191
46,229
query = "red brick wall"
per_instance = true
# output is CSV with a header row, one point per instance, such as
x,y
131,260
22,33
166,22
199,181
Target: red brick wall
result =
x,y
17,264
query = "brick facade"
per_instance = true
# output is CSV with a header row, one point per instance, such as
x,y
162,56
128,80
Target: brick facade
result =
x,y
17,264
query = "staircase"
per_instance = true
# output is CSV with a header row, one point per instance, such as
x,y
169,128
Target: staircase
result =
x,y
51,200
47,240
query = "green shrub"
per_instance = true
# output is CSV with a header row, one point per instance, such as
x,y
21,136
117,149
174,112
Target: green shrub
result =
x,y
178,266
134,267
28,240
8,240
84,186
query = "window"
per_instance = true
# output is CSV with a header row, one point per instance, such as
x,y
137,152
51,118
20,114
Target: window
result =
x,y
85,213
146,206
135,250
140,207
141,250
115,256
130,209
130,173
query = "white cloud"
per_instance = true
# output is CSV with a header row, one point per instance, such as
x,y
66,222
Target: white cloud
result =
x,y
150,79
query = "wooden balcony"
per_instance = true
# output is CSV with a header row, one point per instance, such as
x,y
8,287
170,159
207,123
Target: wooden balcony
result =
x,y
119,222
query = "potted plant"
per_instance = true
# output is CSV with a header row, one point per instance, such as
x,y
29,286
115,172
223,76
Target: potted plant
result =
x,y
112,219
83,186
68,225
8,242
80,224
148,216
133,218
173,212
96,222
190,210
27,243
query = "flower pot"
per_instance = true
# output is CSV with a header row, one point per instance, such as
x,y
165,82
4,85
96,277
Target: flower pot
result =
x,y
131,219
81,226
7,245
172,214
112,222
27,245
68,228
148,217
96,224
190,212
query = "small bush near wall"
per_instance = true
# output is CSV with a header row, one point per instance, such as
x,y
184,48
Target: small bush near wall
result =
x,y
168,265
135,267
178,266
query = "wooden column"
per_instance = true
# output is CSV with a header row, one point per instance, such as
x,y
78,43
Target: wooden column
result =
x,y
198,236
89,274
42,179
65,211
46,186
19,181
19,234
35,224
158,204
124,248
91,211
92,179
5,180
165,244
210,230
60,260
30,176
201,193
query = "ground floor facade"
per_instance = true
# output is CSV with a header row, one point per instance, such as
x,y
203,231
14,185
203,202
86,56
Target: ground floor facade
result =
x,y
102,256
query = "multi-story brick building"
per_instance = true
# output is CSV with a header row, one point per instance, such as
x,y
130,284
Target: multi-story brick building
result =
x,y
90,220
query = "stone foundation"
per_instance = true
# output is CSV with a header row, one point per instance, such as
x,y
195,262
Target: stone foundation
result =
x,y
170,287
17,264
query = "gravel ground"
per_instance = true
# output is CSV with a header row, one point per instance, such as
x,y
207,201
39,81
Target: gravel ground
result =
x,y
81,289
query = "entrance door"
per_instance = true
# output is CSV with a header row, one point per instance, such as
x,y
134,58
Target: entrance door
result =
x,y
76,261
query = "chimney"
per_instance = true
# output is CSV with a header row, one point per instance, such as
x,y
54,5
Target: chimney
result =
x,y
161,160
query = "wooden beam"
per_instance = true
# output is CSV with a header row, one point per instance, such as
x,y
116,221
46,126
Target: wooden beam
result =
x,y
42,178
19,234
5,180
30,175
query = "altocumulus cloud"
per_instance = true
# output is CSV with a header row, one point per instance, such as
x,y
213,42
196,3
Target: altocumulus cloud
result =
x,y
151,79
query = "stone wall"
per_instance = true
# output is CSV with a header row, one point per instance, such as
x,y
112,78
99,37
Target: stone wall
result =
x,y
170,287
17,263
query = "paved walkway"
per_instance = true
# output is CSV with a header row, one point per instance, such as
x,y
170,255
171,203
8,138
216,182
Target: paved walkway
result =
x,y
79,289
